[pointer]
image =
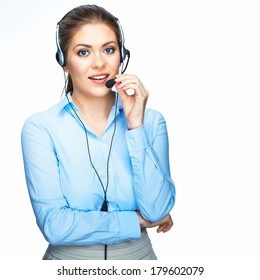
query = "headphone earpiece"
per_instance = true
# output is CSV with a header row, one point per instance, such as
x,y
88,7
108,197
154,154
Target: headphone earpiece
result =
x,y
60,58
123,54
59,54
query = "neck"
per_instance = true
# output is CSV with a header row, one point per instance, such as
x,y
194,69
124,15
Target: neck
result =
x,y
94,110
94,107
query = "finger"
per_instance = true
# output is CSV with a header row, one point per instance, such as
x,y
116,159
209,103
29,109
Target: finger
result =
x,y
131,84
159,229
128,85
123,81
127,78
164,227
136,89
121,91
122,77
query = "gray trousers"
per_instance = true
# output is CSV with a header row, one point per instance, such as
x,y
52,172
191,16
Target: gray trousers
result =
x,y
131,250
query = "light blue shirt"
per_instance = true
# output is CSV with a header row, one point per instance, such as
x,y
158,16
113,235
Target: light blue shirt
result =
x,y
65,192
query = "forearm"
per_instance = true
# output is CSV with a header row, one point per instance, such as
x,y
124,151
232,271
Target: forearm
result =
x,y
66,226
154,188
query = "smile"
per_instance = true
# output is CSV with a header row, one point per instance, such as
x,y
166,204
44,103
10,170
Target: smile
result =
x,y
97,78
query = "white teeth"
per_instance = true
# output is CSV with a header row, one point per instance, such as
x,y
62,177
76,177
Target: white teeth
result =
x,y
99,78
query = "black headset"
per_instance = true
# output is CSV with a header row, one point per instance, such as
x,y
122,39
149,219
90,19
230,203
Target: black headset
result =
x,y
123,51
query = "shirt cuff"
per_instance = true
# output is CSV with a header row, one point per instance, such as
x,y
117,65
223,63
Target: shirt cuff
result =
x,y
129,225
136,139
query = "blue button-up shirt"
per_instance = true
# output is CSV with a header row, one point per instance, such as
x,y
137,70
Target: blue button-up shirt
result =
x,y
65,191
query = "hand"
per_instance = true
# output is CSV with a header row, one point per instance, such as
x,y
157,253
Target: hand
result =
x,y
164,225
133,104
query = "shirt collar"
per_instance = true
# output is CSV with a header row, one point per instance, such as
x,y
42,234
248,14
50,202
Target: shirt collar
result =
x,y
65,102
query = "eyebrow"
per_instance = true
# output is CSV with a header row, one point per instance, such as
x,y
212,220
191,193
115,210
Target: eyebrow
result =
x,y
89,46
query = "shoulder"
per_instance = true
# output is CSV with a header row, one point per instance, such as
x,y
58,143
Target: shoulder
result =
x,y
40,119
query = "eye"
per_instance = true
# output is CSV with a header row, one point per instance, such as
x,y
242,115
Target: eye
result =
x,y
83,53
109,50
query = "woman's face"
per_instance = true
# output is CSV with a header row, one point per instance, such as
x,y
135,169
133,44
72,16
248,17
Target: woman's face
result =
x,y
93,58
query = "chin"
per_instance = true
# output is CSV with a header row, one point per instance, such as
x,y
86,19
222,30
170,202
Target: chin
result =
x,y
101,92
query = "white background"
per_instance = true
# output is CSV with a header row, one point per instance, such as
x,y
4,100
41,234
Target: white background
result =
x,y
200,61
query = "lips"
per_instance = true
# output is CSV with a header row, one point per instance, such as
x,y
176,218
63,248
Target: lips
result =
x,y
99,77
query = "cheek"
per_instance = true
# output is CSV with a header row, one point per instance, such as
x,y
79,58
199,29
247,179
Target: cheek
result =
x,y
115,63
76,67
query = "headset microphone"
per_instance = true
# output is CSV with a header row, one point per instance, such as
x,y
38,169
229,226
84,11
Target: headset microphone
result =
x,y
110,83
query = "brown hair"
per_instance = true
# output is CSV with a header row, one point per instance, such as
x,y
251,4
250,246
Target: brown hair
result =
x,y
75,19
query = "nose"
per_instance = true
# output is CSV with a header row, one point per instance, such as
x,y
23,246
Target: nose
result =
x,y
98,61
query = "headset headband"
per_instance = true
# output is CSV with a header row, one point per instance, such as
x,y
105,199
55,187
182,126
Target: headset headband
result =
x,y
61,58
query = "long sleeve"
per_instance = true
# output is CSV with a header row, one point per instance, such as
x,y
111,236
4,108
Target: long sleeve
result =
x,y
149,152
59,221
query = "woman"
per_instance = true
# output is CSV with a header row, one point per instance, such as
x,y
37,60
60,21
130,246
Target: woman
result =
x,y
96,164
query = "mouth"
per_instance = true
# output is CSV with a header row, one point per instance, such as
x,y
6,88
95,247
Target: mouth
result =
x,y
99,77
